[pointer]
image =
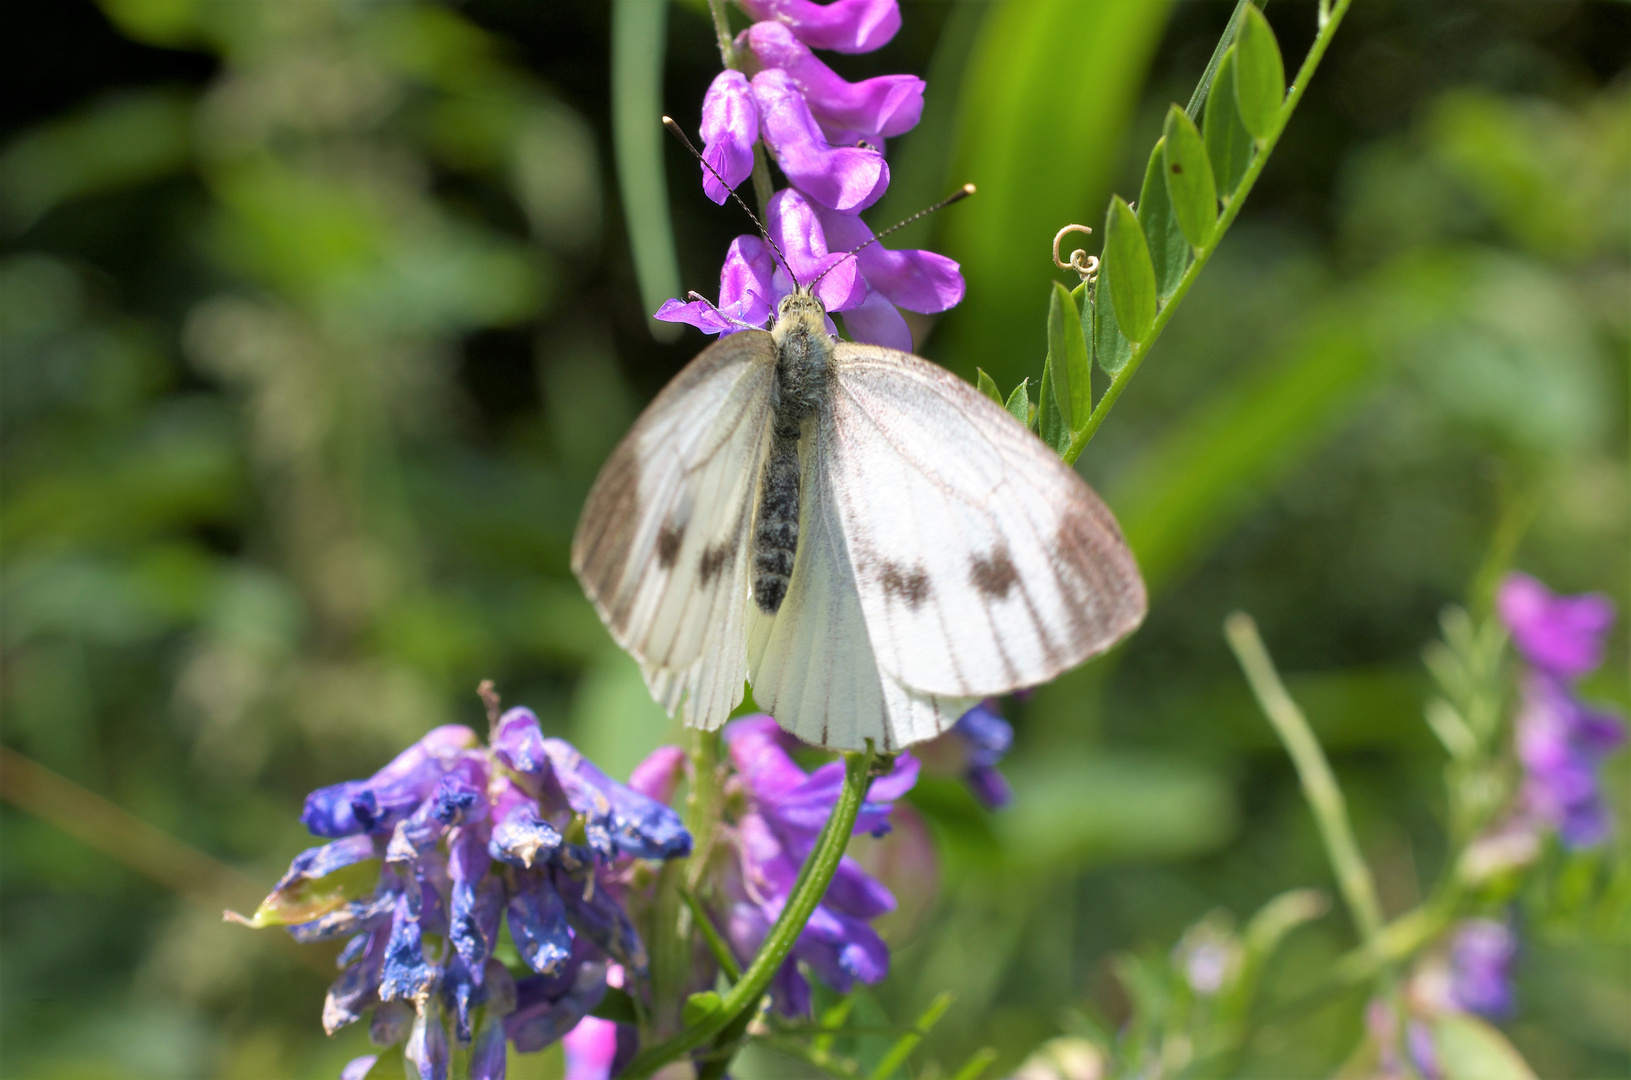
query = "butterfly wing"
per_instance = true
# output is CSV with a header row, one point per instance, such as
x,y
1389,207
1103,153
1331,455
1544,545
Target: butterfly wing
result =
x,y
982,563
663,545
811,663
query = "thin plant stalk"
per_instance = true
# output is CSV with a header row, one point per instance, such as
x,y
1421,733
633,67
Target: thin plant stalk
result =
x,y
1319,784
816,874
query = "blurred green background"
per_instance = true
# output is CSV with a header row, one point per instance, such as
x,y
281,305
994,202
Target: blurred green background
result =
x,y
319,318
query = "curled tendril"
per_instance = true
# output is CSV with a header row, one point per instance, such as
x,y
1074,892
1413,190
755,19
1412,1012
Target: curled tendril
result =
x,y
1086,266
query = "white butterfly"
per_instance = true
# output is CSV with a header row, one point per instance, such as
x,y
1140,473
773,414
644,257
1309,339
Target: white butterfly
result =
x,y
871,542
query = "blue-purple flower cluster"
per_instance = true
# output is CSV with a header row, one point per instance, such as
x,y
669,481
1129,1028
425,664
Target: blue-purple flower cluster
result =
x,y
827,137
429,855
1561,740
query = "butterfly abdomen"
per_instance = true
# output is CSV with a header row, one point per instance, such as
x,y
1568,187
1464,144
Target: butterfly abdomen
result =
x,y
803,360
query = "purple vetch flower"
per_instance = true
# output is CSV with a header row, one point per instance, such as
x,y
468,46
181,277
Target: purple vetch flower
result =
x,y
989,738
827,136
846,26
730,127
1482,953
783,810
847,178
1564,635
870,110
1561,741
432,854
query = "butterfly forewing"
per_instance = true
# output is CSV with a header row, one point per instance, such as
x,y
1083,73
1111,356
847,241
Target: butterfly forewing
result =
x,y
982,563
663,545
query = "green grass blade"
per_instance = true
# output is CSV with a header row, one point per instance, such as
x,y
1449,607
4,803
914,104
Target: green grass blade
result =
x,y
639,39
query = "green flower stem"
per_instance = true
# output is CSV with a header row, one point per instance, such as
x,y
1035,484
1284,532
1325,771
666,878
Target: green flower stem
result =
x,y
1141,349
1319,785
722,32
710,934
811,886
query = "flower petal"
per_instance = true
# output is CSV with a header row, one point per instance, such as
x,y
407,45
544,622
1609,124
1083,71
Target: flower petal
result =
x,y
597,915
519,741
746,292
877,322
427,1050
917,280
538,922
846,26
730,126
617,819
659,774
874,108
847,178
548,1008
793,221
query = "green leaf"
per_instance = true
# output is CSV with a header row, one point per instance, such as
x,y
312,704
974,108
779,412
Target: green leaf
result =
x,y
1260,77
1039,147
699,1007
312,898
1470,1049
1111,348
1072,370
1190,187
987,385
1127,264
1228,143
1169,249
1051,423
1019,402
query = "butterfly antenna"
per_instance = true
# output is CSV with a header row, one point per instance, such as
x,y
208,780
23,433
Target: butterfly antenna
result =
x,y
957,196
679,133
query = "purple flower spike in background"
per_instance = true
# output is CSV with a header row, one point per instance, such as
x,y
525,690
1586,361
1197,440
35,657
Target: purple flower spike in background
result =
x,y
1481,957
1561,740
1564,635
1561,743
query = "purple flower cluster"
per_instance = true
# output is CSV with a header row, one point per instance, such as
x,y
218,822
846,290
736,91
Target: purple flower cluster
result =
x,y
1481,956
777,812
1561,740
827,136
429,855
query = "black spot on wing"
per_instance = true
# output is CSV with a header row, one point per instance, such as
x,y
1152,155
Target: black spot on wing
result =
x,y
909,584
714,559
994,574
668,544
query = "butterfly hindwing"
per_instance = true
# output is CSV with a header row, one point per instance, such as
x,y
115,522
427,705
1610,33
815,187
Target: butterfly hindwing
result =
x,y
811,663
664,542
982,563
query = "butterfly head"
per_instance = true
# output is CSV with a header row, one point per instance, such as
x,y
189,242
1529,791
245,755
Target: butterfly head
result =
x,y
801,309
